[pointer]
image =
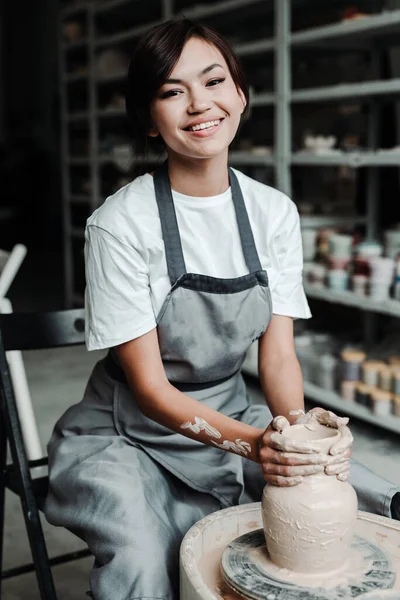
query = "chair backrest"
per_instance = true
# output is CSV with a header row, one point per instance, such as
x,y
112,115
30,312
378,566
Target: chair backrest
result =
x,y
35,331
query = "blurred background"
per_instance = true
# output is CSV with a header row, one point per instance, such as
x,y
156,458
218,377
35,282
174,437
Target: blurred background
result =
x,y
324,128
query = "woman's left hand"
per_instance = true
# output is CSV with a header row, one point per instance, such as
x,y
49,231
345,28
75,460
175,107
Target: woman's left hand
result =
x,y
339,456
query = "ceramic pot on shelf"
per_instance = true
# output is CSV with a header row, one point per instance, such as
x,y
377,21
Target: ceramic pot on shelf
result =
x,y
309,527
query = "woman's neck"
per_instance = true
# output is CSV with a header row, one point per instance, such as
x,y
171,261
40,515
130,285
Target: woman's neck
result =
x,y
198,177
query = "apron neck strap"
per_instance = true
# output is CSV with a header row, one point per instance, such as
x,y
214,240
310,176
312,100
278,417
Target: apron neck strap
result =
x,y
169,224
246,235
170,230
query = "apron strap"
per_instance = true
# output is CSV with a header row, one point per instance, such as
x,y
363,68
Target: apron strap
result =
x,y
170,230
169,224
246,235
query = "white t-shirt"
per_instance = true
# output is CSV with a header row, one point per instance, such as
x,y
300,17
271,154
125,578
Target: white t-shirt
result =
x,y
126,270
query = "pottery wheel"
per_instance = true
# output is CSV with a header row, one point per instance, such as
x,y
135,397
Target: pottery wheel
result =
x,y
248,570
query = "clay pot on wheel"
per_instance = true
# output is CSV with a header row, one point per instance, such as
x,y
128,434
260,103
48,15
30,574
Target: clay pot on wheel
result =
x,y
308,527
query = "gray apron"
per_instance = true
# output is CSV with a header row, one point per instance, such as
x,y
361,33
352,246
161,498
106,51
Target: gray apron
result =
x,y
130,487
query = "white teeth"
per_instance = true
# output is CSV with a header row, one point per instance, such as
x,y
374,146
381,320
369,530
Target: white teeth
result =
x,y
205,125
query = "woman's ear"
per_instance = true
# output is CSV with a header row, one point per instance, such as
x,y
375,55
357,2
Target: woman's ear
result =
x,y
153,131
242,99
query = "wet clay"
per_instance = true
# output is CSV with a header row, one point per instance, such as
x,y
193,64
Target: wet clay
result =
x,y
309,527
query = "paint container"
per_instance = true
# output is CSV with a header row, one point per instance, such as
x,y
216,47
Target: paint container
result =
x,y
318,275
359,284
382,269
338,264
361,266
396,406
340,245
363,394
392,242
379,290
309,239
369,250
396,293
385,378
351,364
338,280
371,371
396,380
394,361
323,241
381,402
348,390
326,376
307,269
304,353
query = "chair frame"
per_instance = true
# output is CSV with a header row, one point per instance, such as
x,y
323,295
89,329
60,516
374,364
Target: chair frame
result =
x,y
30,331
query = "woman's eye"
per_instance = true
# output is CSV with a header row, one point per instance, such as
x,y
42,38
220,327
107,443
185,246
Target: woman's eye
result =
x,y
216,81
170,93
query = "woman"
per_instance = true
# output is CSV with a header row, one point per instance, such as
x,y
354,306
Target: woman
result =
x,y
179,284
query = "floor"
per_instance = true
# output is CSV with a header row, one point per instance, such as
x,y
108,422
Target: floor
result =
x,y
56,380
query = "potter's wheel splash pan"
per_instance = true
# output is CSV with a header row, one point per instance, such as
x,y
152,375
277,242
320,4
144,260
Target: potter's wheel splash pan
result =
x,y
248,570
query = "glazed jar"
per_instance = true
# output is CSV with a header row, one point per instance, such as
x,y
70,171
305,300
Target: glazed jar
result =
x,y
308,527
351,364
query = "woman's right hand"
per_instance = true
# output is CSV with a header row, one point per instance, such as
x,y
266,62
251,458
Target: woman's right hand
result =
x,y
285,462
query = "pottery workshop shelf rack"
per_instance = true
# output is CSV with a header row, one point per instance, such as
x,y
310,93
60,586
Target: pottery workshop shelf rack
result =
x,y
365,30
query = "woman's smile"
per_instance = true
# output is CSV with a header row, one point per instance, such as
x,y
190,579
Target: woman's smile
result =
x,y
205,129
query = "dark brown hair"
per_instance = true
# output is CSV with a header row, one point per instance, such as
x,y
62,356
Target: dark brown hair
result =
x,y
155,56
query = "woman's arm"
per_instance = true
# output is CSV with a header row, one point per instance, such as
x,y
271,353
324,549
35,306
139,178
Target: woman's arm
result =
x,y
279,370
162,402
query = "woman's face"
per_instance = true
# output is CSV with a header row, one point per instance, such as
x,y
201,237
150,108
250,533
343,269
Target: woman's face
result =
x,y
197,110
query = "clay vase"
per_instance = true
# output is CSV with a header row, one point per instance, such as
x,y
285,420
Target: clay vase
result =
x,y
309,527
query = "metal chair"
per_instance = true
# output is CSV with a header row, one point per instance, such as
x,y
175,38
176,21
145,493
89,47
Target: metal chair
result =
x,y
30,331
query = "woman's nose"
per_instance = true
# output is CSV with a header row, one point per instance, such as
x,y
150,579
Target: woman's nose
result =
x,y
199,101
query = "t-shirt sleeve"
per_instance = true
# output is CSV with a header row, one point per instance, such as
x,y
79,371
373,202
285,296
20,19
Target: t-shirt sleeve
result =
x,y
118,304
288,296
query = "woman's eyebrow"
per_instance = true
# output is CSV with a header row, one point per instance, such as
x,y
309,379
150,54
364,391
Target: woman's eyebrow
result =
x,y
203,72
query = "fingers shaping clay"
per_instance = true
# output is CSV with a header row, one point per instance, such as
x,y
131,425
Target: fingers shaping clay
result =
x,y
309,527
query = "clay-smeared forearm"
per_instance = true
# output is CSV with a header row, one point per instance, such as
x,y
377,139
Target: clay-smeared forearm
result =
x,y
191,418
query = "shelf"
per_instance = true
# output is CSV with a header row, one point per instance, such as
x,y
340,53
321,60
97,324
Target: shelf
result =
x,y
78,233
359,29
75,8
256,47
350,159
385,307
78,116
348,90
73,45
262,100
109,5
72,77
248,158
78,160
334,401
80,199
111,112
199,11
110,78
79,300
316,221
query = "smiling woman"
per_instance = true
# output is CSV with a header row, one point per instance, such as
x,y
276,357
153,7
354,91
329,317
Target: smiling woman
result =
x,y
161,70
185,268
